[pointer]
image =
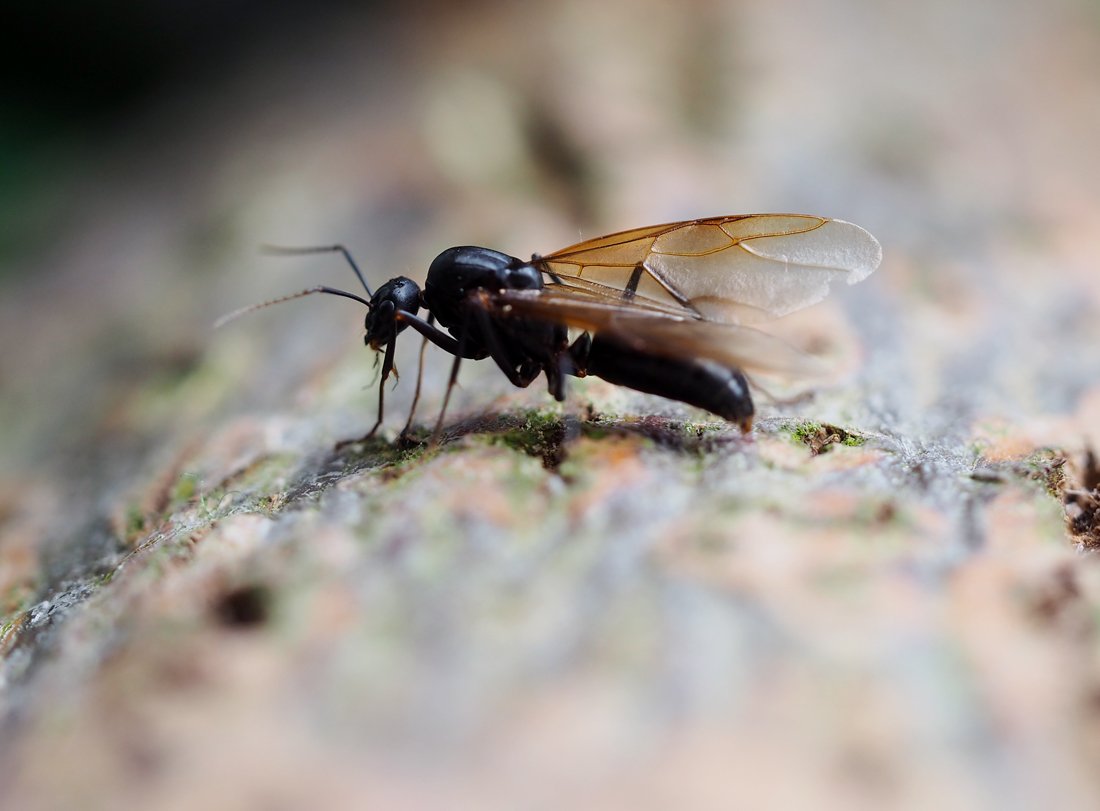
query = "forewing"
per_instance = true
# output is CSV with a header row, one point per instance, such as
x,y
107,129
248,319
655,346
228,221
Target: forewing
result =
x,y
656,333
734,270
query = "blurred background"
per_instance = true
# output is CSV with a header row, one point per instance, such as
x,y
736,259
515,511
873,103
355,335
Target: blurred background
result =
x,y
148,149
147,152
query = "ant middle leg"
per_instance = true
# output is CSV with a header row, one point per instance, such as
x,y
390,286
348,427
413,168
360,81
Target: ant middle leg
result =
x,y
419,379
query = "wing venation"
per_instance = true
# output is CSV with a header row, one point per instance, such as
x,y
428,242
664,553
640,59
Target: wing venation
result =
x,y
732,270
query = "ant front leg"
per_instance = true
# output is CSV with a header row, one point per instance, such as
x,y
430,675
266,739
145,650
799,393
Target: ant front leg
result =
x,y
457,347
387,367
433,333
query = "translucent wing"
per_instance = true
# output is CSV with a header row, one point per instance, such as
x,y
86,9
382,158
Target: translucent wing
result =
x,y
734,270
658,333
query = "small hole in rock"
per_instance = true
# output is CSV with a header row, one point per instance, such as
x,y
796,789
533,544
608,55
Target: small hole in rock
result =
x,y
246,606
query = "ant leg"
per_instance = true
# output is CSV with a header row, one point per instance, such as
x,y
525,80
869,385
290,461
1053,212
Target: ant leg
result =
x,y
519,379
419,378
571,415
445,342
578,353
454,379
796,399
446,399
387,367
279,250
432,333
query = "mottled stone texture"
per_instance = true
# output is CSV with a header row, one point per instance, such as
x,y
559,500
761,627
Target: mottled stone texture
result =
x,y
884,597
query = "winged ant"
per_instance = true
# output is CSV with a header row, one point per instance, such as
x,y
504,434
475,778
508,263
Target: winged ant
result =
x,y
662,309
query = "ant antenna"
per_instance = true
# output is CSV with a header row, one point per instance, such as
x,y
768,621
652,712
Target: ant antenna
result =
x,y
233,316
279,250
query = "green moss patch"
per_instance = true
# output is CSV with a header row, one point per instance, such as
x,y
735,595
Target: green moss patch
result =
x,y
820,437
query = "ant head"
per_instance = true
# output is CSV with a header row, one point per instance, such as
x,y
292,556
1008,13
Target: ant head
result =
x,y
397,295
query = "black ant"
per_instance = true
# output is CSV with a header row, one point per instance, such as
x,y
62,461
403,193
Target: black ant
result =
x,y
660,309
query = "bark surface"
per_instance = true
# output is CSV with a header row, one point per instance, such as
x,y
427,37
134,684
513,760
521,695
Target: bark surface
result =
x,y
884,596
